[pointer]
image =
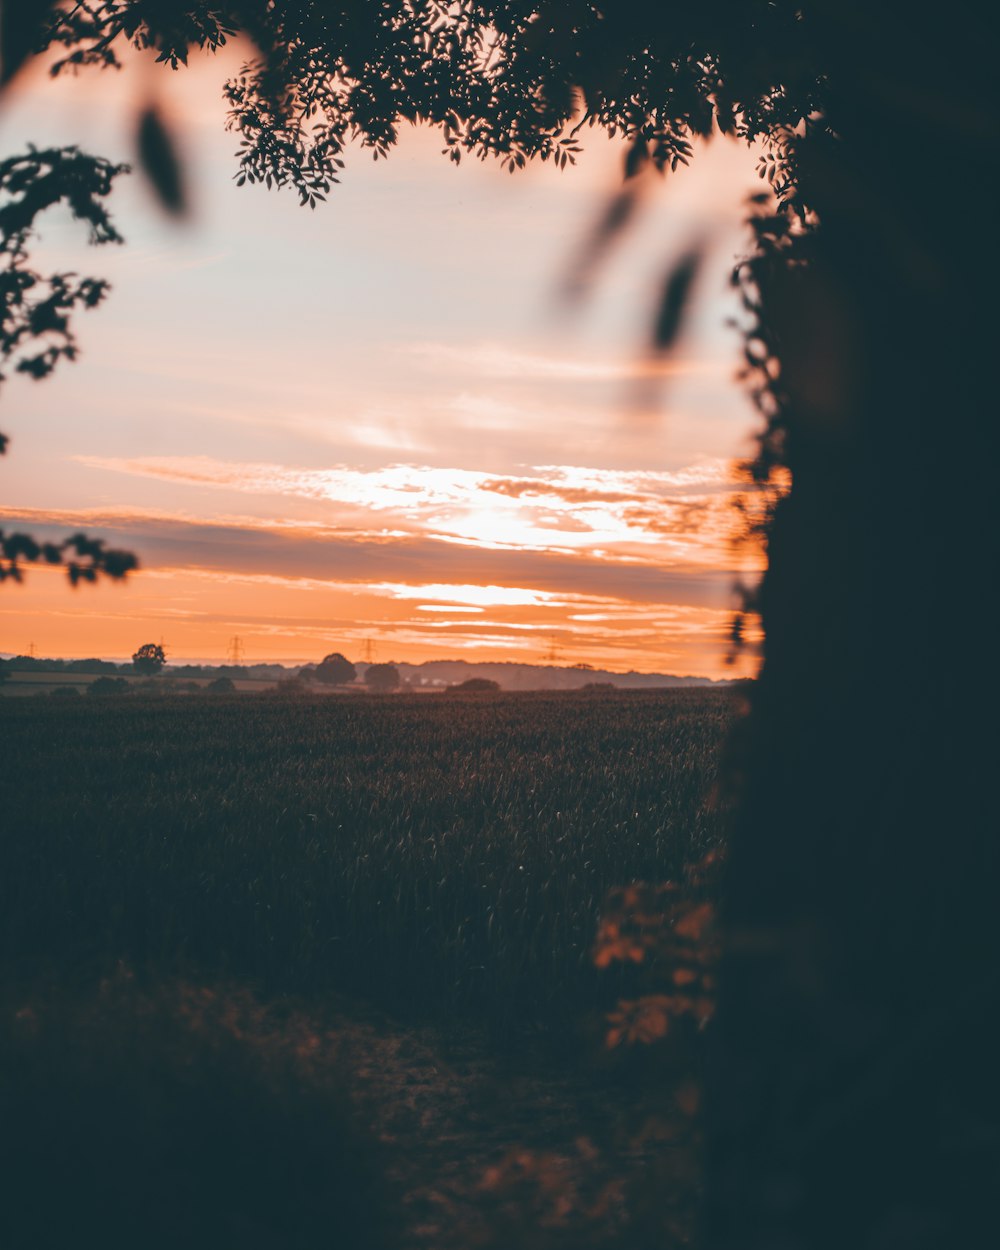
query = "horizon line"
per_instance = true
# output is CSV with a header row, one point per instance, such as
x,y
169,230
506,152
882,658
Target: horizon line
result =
x,y
204,662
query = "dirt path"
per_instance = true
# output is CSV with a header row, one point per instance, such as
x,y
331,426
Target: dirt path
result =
x,y
484,1147
477,1140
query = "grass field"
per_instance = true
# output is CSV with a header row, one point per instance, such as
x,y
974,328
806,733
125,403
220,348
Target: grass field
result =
x,y
431,854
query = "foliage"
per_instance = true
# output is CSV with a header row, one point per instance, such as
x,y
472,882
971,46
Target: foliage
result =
x,y
497,79
185,1115
635,1179
435,854
668,936
149,659
88,558
334,670
35,312
382,677
541,1200
221,685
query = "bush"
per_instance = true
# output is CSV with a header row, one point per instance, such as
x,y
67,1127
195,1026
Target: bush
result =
x,y
221,685
181,1117
475,685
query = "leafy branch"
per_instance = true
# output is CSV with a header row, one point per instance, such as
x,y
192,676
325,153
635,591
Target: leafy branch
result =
x,y
35,316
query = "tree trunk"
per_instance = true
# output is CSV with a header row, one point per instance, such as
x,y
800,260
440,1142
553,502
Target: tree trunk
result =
x,y
853,1088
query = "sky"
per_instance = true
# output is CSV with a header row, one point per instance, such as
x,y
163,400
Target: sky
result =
x,y
379,428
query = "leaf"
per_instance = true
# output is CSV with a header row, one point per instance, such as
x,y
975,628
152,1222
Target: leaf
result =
x,y
695,922
22,29
636,157
609,227
676,290
160,162
639,1021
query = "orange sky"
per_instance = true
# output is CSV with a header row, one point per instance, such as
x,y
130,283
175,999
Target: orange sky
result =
x,y
376,421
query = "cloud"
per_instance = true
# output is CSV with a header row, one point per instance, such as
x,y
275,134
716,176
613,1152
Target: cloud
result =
x,y
680,516
490,596
360,559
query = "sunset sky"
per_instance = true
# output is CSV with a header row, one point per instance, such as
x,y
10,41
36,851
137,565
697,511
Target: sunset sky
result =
x,y
378,421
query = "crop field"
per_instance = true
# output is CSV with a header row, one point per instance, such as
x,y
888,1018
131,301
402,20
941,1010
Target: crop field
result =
x,y
431,854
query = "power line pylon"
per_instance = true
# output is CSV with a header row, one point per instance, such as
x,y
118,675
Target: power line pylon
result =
x,y
235,651
369,652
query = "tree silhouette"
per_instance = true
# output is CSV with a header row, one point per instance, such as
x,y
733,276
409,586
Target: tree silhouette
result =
x,y
35,312
382,677
852,1091
149,659
334,670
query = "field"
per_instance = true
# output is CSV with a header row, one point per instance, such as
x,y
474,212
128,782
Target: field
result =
x,y
439,862
429,853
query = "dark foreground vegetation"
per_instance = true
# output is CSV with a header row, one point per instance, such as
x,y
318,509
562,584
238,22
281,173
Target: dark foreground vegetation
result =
x,y
175,1116
306,971
433,856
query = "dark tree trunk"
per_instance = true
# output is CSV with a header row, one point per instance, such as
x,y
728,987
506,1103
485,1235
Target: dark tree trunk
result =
x,y
853,1091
